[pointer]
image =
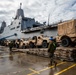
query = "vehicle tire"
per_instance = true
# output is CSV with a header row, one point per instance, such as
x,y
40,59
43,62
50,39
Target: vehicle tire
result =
x,y
65,42
31,45
44,44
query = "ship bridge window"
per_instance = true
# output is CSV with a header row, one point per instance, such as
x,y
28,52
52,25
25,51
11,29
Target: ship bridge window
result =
x,y
18,26
12,28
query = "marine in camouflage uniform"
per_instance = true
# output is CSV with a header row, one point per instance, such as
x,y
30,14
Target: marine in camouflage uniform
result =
x,y
51,50
10,46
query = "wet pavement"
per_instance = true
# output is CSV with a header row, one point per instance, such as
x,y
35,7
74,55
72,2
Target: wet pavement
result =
x,y
18,63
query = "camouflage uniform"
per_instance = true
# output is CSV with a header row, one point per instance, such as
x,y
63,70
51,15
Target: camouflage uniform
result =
x,y
51,50
10,46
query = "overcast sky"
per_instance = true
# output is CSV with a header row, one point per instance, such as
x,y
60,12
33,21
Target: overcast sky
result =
x,y
39,9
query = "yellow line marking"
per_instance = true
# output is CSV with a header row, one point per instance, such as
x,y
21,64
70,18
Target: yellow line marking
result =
x,y
34,71
51,67
31,73
38,72
65,69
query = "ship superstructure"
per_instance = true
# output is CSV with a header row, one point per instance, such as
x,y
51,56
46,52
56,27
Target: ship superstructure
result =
x,y
24,27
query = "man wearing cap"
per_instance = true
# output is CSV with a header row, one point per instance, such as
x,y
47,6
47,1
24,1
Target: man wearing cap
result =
x,y
51,50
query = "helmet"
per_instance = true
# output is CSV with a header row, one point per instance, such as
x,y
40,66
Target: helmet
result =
x,y
51,38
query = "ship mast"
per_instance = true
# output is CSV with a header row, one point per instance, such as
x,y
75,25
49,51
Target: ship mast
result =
x,y
20,12
20,5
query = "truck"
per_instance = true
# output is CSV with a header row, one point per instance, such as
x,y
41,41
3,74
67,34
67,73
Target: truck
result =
x,y
24,43
67,33
39,41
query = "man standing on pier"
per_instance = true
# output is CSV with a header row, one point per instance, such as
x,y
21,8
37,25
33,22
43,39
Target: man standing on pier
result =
x,y
10,46
51,50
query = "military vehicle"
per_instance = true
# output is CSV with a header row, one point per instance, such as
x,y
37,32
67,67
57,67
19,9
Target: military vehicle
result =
x,y
67,33
39,41
24,43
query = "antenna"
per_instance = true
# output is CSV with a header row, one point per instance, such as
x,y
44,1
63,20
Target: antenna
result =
x,y
48,19
20,5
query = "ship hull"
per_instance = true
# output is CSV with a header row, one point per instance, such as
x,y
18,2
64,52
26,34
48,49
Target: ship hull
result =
x,y
46,32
